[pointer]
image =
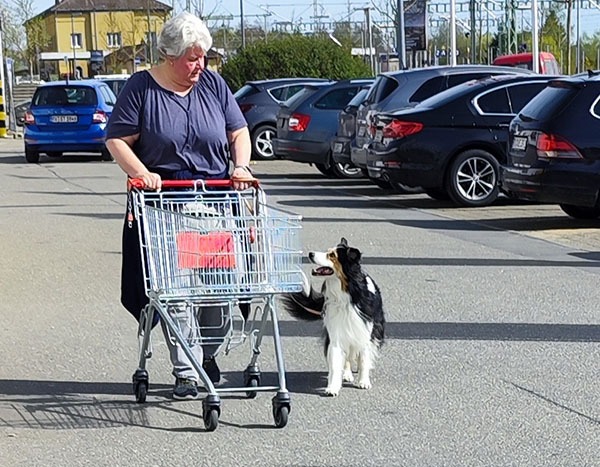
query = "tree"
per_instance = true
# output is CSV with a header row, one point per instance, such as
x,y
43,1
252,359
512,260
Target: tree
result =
x,y
554,37
293,56
25,38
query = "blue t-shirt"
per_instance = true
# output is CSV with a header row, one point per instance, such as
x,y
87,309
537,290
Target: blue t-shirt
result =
x,y
178,133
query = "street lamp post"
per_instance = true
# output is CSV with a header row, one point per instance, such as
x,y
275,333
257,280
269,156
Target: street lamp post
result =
x,y
400,34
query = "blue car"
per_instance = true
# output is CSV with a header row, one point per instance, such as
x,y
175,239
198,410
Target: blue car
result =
x,y
68,117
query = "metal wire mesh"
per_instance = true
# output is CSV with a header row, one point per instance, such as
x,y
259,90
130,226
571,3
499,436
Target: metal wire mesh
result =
x,y
217,243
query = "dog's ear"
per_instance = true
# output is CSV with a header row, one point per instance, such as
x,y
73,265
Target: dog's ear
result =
x,y
344,242
354,255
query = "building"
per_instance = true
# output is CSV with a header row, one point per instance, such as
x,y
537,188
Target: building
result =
x,y
81,38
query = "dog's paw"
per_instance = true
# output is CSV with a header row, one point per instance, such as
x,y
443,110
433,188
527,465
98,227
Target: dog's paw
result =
x,y
348,377
332,391
364,384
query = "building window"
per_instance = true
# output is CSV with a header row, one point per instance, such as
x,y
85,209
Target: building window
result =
x,y
113,39
76,41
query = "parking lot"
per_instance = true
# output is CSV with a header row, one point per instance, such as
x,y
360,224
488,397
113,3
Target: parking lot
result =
x,y
492,344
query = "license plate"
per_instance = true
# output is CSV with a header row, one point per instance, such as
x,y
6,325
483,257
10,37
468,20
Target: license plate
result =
x,y
361,131
337,147
63,119
379,136
519,143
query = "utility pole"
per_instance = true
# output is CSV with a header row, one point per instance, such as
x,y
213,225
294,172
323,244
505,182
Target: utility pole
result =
x,y
472,6
535,49
242,29
367,11
452,50
2,87
400,34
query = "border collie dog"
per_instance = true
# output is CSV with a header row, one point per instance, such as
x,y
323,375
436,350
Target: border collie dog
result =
x,y
351,308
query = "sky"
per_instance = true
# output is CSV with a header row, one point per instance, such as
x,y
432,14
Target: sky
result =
x,y
296,11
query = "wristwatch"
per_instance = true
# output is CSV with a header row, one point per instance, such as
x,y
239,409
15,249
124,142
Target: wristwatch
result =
x,y
245,167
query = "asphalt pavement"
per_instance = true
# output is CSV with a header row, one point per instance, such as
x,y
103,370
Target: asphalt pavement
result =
x,y
491,353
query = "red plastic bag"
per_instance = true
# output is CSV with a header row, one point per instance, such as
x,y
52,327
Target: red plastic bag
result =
x,y
213,250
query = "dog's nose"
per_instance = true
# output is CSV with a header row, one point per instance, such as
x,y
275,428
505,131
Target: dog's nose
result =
x,y
311,256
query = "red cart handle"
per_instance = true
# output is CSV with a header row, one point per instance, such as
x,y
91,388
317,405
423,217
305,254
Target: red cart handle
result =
x,y
140,185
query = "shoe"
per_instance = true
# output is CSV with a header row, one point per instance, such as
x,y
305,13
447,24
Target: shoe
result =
x,y
185,388
212,369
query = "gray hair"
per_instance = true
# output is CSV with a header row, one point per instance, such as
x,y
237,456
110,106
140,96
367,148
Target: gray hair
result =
x,y
182,32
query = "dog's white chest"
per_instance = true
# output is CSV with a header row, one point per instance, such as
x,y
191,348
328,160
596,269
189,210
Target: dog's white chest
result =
x,y
344,325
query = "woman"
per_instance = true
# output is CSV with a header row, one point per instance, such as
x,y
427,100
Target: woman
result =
x,y
176,121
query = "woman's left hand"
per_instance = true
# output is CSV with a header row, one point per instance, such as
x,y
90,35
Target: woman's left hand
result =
x,y
242,178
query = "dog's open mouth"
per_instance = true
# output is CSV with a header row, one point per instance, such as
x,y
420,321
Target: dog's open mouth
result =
x,y
322,271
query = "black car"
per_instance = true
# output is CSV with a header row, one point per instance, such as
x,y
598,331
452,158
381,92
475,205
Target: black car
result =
x,y
554,148
453,143
307,123
406,88
260,102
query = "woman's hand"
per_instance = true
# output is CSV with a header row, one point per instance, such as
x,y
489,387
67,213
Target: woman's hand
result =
x,y
242,178
152,181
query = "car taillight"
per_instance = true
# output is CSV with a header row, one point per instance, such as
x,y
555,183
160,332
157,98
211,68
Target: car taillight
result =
x,y
555,147
28,119
298,122
99,117
400,129
246,107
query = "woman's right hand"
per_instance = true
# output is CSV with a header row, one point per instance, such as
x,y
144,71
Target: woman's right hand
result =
x,y
152,181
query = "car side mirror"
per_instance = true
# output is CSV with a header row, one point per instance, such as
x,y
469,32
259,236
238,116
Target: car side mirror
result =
x,y
351,109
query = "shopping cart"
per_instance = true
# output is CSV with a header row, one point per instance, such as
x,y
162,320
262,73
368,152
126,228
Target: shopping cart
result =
x,y
207,248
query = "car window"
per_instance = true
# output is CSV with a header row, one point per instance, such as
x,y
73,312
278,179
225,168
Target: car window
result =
x,y
521,94
291,90
427,89
494,102
108,95
336,99
595,108
283,93
245,91
455,80
359,98
306,91
116,85
549,101
65,95
279,93
381,89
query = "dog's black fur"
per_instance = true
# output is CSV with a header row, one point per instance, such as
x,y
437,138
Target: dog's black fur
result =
x,y
351,308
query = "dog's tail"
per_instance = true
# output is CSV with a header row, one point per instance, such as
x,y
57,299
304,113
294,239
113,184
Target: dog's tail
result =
x,y
300,306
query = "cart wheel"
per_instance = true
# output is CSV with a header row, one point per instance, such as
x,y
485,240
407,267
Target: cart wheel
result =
x,y
211,419
141,390
280,414
253,382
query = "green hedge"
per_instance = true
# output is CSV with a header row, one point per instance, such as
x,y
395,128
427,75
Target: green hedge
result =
x,y
290,57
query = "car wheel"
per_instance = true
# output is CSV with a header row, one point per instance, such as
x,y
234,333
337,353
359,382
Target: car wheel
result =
x,y
581,212
340,170
262,143
438,194
325,170
106,155
31,155
473,178
54,154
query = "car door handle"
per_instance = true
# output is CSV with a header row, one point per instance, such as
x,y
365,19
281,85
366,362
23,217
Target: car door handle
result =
x,y
503,125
